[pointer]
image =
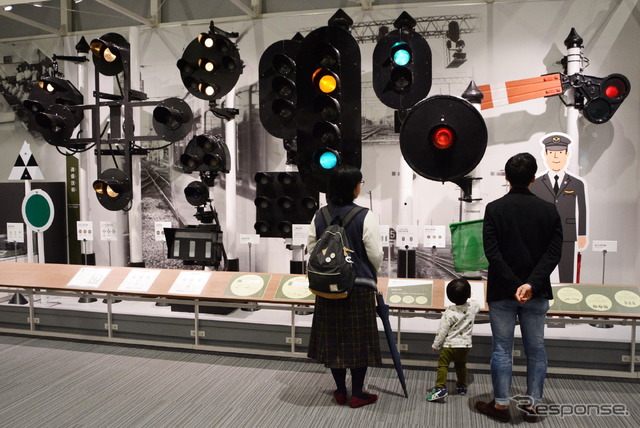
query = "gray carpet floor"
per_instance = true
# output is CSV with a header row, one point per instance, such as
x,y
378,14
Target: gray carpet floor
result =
x,y
58,383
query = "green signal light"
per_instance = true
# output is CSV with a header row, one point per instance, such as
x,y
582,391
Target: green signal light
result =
x,y
328,160
401,54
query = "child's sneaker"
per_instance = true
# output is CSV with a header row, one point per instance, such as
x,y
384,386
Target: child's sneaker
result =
x,y
462,390
437,394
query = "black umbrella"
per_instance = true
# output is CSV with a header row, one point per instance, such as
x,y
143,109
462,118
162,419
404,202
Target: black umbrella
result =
x,y
383,313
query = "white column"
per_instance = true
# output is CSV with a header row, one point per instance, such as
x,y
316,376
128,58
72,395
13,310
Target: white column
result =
x,y
405,194
229,230
135,213
27,189
574,65
88,171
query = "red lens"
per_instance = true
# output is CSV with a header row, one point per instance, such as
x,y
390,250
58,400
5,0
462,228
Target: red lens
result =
x,y
442,138
611,91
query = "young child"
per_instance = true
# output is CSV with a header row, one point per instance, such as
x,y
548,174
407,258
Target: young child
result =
x,y
454,338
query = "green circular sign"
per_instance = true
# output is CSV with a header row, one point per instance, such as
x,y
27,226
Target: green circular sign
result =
x,y
37,210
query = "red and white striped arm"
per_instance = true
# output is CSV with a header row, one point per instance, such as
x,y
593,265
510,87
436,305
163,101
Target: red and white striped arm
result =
x,y
516,91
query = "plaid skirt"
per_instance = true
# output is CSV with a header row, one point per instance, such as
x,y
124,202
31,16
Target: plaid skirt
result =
x,y
344,332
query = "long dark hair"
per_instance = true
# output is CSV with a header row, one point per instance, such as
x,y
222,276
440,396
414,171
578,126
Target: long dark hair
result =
x,y
342,183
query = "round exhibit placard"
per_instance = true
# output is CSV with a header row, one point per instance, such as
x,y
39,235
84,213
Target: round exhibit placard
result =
x,y
627,298
569,295
296,288
246,285
37,210
598,302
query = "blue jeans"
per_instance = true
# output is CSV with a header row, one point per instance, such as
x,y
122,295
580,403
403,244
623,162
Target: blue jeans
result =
x,y
531,315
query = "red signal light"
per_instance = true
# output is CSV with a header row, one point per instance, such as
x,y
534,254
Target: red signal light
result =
x,y
615,88
442,137
611,91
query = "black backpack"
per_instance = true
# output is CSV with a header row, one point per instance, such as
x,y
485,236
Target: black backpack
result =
x,y
332,265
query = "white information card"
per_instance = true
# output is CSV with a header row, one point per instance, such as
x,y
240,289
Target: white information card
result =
x,y
139,280
89,277
15,232
190,282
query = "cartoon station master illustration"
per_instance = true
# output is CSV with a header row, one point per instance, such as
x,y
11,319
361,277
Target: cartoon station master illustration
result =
x,y
568,193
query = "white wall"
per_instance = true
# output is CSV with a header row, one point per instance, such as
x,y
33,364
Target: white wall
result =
x,y
516,41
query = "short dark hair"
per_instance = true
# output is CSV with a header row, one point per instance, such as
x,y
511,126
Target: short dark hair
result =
x,y
342,183
458,291
521,169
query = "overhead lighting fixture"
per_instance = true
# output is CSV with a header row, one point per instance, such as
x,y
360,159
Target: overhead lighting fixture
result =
x,y
38,4
8,8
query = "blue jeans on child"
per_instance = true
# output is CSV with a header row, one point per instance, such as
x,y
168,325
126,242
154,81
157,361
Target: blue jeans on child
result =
x,y
531,315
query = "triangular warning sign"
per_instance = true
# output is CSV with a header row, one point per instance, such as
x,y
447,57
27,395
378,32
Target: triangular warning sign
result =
x,y
26,167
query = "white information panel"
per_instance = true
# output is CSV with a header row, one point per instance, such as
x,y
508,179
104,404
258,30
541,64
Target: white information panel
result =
x,y
85,230
248,238
108,231
384,234
159,230
407,236
15,232
434,236
609,246
190,282
299,234
139,280
89,277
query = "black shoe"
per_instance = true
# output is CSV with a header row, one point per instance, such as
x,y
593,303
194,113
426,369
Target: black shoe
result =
x,y
530,414
490,410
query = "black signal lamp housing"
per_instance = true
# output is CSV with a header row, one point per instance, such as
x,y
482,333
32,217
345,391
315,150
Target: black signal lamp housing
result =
x,y
113,189
110,54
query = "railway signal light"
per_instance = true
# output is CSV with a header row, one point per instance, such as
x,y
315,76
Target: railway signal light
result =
x,y
443,138
402,65
197,193
282,200
210,65
113,189
601,96
172,119
277,87
329,129
50,108
206,154
111,54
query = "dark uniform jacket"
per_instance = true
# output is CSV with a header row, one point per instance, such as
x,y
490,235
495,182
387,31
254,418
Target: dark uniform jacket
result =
x,y
571,197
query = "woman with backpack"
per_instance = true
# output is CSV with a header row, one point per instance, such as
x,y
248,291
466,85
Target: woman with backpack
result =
x,y
344,332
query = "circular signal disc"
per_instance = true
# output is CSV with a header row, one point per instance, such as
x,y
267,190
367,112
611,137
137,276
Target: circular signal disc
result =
x,y
469,133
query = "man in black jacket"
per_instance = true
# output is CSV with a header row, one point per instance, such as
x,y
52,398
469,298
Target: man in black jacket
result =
x,y
522,241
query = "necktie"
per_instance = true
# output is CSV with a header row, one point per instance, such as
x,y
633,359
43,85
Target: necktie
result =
x,y
556,187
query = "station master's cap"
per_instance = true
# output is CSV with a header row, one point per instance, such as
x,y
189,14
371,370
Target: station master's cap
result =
x,y
556,141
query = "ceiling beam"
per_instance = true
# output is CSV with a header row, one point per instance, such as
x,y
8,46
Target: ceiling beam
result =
x,y
126,12
30,22
15,2
253,11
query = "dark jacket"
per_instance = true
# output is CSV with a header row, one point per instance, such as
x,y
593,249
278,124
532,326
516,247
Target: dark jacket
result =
x,y
365,275
522,237
571,197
